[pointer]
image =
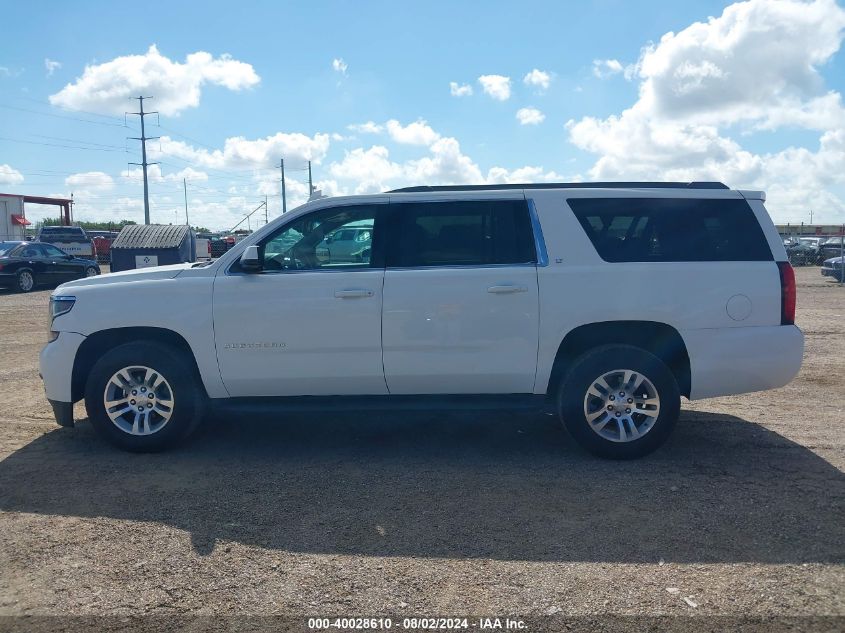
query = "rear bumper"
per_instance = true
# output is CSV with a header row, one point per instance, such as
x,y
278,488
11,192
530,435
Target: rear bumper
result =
x,y
729,361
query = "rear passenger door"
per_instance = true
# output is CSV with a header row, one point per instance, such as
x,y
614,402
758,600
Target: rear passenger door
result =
x,y
460,298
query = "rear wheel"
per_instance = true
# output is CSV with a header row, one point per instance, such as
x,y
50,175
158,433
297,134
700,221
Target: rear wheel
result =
x,y
25,281
619,401
144,397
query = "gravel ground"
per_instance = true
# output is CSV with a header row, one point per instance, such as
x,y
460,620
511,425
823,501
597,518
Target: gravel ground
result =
x,y
742,513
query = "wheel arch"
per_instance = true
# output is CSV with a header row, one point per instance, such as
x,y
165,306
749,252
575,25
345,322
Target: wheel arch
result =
x,y
95,345
660,339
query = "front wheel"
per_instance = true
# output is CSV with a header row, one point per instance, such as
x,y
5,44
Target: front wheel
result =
x,y
619,401
91,272
144,397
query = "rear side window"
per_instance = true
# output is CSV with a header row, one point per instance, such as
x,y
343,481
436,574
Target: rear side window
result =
x,y
464,233
671,229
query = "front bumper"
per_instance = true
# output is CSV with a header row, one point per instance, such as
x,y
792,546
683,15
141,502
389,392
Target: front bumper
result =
x,y
63,412
56,369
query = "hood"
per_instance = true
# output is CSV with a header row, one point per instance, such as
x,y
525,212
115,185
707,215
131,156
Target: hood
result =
x,y
125,276
834,260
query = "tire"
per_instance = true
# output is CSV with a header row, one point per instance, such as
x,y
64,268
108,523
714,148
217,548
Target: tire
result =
x,y
629,435
91,272
180,392
25,281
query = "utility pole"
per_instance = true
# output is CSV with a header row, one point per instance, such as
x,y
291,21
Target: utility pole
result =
x,y
143,138
811,216
284,196
265,209
310,183
185,185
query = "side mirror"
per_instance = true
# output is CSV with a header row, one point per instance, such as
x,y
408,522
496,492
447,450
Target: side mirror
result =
x,y
329,239
250,262
68,257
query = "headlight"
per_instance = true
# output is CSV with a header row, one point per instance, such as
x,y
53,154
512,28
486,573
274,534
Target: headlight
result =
x,y
60,305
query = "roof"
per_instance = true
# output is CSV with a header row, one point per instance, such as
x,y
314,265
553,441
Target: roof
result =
x,y
150,236
566,185
37,199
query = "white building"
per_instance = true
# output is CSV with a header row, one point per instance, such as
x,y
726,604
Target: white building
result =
x,y
12,218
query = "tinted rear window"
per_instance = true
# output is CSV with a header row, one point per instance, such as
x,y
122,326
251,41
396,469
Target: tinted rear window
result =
x,y
62,234
466,233
671,229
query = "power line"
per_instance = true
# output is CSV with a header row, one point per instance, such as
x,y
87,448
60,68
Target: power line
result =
x,y
60,116
91,149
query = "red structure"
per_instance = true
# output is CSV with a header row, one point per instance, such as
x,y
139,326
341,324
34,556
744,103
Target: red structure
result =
x,y
64,203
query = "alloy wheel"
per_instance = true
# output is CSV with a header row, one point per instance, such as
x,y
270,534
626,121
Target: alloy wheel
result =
x,y
621,405
138,400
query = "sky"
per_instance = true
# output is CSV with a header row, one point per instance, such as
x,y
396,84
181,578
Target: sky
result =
x,y
379,95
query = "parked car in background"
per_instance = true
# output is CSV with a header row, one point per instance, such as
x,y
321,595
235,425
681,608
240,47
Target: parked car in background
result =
x,y
71,239
831,247
834,267
352,243
803,252
25,265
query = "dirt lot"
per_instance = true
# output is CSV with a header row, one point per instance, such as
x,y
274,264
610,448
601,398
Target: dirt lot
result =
x,y
741,513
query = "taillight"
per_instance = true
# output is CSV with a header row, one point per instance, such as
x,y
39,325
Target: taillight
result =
x,y
787,293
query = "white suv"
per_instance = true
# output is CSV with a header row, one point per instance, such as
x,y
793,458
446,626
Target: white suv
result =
x,y
604,302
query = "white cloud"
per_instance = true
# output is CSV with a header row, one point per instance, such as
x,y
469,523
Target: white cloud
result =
x,y
51,65
5,71
416,133
754,67
538,79
97,180
154,174
176,86
460,90
530,116
497,86
339,66
369,127
10,176
525,174
238,152
603,68
372,170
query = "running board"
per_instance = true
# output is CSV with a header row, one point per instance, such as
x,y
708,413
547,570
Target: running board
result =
x,y
438,402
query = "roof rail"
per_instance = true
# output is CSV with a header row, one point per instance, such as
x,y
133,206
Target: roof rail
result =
x,y
565,185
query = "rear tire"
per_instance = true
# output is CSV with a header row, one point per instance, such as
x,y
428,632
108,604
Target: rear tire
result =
x,y
154,386
634,416
25,281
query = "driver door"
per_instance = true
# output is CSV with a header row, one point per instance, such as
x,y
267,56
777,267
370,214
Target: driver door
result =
x,y
305,324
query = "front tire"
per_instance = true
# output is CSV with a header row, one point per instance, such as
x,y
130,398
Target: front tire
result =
x,y
25,281
91,272
144,397
619,401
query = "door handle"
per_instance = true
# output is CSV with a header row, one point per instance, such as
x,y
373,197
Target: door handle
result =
x,y
353,292
506,289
